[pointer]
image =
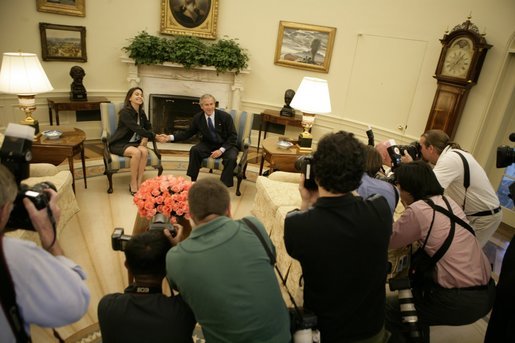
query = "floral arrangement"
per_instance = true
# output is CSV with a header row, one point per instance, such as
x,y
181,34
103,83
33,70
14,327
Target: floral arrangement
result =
x,y
165,194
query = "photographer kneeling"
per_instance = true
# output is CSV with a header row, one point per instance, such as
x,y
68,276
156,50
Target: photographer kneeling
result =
x,y
458,289
38,286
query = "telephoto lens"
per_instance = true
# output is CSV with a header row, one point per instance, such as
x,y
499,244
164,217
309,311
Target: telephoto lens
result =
x,y
407,306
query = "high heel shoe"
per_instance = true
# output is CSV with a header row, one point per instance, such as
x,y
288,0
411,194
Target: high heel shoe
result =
x,y
130,190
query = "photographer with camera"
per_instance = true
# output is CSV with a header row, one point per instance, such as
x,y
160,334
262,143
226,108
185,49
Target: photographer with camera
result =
x,y
341,242
374,182
224,273
464,181
450,276
143,313
38,285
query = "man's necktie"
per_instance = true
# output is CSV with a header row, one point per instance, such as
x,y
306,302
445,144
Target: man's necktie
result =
x,y
211,128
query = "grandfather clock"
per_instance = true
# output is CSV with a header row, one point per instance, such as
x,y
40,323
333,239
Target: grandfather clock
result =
x,y
463,53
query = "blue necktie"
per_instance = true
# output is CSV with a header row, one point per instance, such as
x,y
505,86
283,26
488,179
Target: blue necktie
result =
x,y
211,128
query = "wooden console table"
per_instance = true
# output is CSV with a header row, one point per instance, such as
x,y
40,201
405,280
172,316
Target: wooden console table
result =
x,y
55,151
65,104
273,116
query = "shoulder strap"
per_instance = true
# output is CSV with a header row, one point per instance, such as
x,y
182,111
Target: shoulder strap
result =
x,y
466,175
447,243
452,216
253,227
8,299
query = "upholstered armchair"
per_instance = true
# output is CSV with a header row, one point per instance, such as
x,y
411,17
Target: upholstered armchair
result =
x,y
113,163
243,123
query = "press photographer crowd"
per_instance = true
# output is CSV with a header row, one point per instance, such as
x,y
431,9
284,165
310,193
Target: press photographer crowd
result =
x,y
358,203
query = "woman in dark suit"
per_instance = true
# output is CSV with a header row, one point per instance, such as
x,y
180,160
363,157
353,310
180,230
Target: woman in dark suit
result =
x,y
132,135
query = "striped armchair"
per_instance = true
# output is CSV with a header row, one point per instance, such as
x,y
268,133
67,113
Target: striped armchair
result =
x,y
113,163
243,123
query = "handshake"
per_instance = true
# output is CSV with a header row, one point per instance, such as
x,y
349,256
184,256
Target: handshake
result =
x,y
162,138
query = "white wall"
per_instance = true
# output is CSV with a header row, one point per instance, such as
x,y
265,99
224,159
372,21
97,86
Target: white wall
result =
x,y
405,30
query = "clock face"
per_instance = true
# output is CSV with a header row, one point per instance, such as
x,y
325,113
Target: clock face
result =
x,y
458,58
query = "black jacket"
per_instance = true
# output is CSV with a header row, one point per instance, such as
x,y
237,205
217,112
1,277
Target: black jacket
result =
x,y
127,125
224,126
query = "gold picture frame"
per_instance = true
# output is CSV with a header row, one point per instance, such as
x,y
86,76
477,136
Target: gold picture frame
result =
x,y
304,46
198,19
65,7
63,42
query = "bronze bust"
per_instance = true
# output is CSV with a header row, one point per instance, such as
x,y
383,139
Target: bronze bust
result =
x,y
287,110
77,89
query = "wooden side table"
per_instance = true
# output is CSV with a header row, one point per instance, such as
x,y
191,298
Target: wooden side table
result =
x,y
282,159
55,151
273,116
65,104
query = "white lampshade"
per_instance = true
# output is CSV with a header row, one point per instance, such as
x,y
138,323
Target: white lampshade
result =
x,y
22,74
312,96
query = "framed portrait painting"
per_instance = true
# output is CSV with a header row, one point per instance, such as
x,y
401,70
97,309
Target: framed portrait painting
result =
x,y
63,42
189,17
304,46
66,7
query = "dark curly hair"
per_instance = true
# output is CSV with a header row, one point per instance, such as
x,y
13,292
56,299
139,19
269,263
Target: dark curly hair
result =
x,y
339,162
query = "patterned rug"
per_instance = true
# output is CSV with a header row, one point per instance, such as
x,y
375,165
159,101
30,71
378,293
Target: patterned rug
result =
x,y
171,160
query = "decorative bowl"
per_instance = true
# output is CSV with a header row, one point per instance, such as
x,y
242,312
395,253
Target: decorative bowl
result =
x,y
284,144
52,134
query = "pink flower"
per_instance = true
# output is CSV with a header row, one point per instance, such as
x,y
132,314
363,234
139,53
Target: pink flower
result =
x,y
164,194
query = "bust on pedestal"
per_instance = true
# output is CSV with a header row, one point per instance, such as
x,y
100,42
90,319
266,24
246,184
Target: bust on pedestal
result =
x,y
77,89
287,110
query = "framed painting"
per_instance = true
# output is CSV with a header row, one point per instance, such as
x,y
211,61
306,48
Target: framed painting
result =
x,y
66,7
189,17
63,42
304,46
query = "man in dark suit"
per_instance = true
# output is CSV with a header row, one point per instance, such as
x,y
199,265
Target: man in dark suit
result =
x,y
218,139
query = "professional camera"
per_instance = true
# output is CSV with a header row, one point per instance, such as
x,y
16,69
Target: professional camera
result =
x,y
159,222
506,154
305,165
304,326
19,218
397,151
505,158
15,155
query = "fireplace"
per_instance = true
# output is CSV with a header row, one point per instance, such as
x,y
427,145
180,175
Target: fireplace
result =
x,y
172,113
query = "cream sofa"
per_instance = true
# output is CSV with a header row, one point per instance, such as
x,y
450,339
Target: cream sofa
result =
x,y
276,195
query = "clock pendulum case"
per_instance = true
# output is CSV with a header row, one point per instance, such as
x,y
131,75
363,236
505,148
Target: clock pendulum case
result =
x,y
463,53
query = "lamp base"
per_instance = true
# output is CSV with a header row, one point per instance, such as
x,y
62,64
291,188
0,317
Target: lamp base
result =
x,y
305,142
31,122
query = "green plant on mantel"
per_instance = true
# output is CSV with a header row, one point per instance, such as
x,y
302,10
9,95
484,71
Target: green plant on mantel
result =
x,y
224,54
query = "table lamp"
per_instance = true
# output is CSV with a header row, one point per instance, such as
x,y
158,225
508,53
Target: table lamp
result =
x,y
311,97
22,74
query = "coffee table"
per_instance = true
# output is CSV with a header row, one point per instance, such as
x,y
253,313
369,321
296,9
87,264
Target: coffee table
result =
x,y
55,151
282,159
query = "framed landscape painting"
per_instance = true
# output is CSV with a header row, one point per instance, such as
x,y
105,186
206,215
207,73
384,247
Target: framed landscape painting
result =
x,y
304,46
66,7
63,42
189,17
